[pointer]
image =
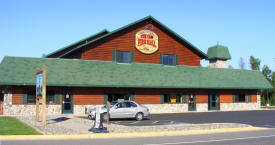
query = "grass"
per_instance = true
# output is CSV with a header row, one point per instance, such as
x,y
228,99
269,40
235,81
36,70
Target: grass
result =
x,y
13,126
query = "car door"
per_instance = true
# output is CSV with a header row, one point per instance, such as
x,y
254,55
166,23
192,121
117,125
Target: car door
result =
x,y
118,111
131,109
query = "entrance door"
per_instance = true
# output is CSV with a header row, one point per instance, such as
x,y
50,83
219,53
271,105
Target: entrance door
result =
x,y
192,102
67,102
214,101
1,103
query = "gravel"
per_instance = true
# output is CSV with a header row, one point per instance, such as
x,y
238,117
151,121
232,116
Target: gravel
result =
x,y
68,124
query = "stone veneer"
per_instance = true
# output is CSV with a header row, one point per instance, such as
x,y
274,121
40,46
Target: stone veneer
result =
x,y
218,63
239,106
30,110
167,108
202,107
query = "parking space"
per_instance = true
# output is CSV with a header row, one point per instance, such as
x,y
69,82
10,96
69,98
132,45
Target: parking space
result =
x,y
146,122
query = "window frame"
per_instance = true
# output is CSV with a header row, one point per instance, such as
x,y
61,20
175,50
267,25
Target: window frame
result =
x,y
179,97
119,51
53,95
111,97
28,92
247,97
168,62
34,97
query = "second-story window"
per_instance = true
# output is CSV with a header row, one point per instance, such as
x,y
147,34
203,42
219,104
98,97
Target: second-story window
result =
x,y
168,59
122,56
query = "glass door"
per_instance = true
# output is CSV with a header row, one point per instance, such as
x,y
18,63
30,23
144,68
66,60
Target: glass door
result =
x,y
192,102
67,102
213,101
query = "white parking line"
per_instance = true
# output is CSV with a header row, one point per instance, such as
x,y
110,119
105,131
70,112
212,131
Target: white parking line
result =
x,y
207,141
155,122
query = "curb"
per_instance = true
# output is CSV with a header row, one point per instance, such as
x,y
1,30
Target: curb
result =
x,y
126,135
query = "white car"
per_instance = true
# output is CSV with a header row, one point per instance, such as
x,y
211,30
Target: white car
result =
x,y
124,109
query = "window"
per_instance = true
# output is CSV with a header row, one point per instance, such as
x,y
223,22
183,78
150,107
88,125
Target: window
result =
x,y
114,98
173,98
168,59
242,97
31,97
50,99
122,56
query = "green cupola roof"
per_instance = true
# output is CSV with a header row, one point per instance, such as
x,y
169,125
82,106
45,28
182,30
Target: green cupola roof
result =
x,y
218,52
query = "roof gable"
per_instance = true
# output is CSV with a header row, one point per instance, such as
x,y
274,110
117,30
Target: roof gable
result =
x,y
146,19
66,72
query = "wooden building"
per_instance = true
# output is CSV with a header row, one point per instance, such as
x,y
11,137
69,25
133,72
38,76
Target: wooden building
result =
x,y
144,61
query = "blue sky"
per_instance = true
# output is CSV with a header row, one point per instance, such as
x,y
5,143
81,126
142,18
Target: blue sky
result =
x,y
246,27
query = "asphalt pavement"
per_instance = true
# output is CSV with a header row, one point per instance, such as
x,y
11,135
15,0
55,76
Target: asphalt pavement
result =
x,y
261,118
261,137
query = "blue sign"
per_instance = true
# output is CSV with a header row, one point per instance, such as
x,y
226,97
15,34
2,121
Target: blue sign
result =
x,y
39,84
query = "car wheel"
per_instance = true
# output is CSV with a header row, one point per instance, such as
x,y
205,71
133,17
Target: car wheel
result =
x,y
90,117
139,116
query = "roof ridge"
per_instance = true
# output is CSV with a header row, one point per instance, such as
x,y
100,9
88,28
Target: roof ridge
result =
x,y
74,43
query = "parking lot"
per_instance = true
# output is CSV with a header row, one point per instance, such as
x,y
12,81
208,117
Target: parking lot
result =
x,y
262,118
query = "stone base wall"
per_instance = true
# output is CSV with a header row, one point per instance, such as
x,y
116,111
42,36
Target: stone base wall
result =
x,y
239,106
31,109
167,108
202,107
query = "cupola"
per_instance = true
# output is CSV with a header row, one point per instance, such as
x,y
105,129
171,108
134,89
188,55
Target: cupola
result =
x,y
218,56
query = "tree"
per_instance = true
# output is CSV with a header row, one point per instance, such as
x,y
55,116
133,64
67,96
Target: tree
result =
x,y
254,63
267,73
268,94
44,55
273,79
241,63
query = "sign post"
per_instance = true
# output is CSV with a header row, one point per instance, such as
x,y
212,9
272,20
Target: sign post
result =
x,y
44,97
108,113
41,93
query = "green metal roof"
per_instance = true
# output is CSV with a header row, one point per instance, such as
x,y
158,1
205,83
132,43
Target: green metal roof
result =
x,y
154,21
75,43
90,73
218,52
